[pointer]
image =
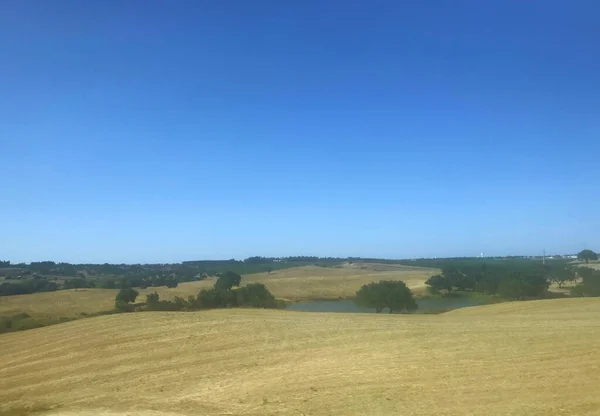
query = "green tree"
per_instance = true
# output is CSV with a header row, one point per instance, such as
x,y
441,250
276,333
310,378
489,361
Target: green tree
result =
x,y
587,256
585,272
124,298
152,299
255,295
590,283
439,282
515,289
228,280
562,275
521,286
215,298
392,294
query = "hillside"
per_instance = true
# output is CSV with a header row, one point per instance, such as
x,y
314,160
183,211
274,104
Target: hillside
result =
x,y
504,360
299,283
531,308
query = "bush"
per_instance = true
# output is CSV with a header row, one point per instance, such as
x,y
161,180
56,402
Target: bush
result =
x,y
255,295
122,306
23,321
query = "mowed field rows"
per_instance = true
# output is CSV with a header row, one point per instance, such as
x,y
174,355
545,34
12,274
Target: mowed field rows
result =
x,y
521,358
295,284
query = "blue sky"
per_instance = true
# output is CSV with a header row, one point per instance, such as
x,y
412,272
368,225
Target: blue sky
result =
x,y
155,131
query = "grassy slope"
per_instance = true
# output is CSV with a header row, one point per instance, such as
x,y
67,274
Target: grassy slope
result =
x,y
592,265
300,283
507,359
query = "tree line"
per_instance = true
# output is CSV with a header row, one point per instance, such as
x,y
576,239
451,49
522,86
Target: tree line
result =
x,y
226,293
531,282
20,279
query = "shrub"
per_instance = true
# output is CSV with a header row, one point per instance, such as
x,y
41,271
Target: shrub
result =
x,y
122,306
255,295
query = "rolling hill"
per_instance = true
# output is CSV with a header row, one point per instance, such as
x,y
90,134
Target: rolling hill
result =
x,y
518,358
294,284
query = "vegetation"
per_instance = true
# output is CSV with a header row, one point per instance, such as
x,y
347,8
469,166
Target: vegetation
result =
x,y
590,282
23,321
124,298
391,294
222,295
44,276
28,286
511,280
292,285
587,256
47,276
228,280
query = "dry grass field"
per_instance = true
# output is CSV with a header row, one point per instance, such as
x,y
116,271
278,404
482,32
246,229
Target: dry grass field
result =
x,y
521,358
300,283
311,282
591,265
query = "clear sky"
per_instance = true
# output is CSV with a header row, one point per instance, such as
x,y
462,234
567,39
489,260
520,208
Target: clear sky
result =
x,y
162,131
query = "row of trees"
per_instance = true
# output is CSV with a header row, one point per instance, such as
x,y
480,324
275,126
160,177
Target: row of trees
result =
x,y
39,283
122,276
497,280
529,282
221,295
397,297
27,287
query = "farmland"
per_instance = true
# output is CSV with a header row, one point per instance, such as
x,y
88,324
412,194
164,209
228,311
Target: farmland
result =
x,y
294,284
517,358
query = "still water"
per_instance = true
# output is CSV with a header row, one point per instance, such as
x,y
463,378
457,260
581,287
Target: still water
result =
x,y
347,306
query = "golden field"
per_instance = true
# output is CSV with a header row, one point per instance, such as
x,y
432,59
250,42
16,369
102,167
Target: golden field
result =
x,y
534,358
295,284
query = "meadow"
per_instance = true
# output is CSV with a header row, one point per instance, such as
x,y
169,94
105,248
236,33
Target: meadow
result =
x,y
294,284
532,358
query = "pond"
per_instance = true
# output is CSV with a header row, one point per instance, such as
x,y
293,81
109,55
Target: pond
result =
x,y
431,305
